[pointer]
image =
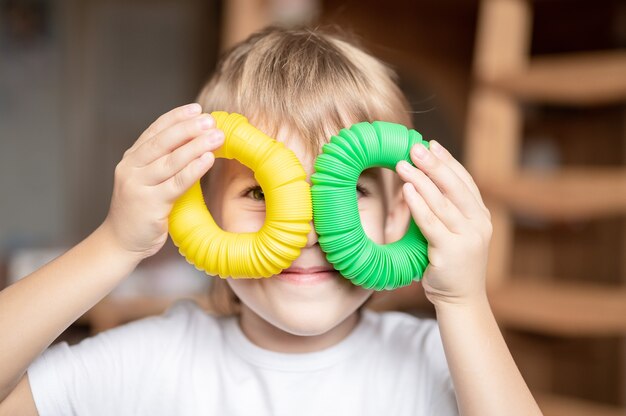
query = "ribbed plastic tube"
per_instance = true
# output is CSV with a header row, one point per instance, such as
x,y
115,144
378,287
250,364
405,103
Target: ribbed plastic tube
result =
x,y
336,212
288,209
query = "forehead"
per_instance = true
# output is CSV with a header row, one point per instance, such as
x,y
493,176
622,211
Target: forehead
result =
x,y
230,170
297,144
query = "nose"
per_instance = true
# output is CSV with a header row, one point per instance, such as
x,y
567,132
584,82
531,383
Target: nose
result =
x,y
308,165
311,238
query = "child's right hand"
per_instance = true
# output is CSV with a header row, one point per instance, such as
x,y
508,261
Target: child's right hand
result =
x,y
172,154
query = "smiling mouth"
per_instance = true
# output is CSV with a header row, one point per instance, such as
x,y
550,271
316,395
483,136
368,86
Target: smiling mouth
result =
x,y
307,276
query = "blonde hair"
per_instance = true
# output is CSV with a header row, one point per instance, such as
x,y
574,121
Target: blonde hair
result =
x,y
311,81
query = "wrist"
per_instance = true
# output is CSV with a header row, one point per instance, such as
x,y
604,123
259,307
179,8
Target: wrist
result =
x,y
463,304
107,242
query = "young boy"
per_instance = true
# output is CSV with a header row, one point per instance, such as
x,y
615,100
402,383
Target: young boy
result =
x,y
298,342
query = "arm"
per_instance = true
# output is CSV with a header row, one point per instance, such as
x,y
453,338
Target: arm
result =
x,y
446,204
42,305
173,153
486,379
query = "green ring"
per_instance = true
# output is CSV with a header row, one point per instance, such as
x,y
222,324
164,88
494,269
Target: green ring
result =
x,y
336,211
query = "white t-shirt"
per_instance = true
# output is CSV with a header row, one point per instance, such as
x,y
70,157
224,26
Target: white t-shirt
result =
x,y
187,362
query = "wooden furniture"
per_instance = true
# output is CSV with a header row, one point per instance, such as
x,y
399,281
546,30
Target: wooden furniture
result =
x,y
506,78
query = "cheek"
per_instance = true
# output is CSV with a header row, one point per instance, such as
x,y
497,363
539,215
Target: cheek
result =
x,y
243,288
239,217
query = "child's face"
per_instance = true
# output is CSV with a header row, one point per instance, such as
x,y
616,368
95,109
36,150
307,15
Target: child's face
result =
x,y
299,308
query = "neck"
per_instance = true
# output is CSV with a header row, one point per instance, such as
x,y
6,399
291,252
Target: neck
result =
x,y
270,337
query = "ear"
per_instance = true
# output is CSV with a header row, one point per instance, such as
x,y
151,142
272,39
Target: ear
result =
x,y
398,215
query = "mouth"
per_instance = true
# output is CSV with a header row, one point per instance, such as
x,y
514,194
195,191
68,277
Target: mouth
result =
x,y
308,275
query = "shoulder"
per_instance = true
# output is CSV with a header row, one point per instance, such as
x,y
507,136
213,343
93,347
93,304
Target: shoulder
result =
x,y
135,360
186,311
132,346
182,323
182,320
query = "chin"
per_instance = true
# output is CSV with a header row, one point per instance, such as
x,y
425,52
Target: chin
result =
x,y
307,320
302,310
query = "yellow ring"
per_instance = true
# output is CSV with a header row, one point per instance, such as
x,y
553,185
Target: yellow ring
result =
x,y
287,203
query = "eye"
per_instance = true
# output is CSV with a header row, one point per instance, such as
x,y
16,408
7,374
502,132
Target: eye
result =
x,y
362,190
255,192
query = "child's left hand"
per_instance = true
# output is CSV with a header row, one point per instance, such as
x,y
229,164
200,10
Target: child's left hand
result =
x,y
447,207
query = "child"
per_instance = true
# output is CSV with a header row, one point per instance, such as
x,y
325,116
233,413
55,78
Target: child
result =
x,y
298,343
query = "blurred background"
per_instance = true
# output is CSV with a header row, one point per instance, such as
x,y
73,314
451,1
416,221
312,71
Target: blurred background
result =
x,y
528,94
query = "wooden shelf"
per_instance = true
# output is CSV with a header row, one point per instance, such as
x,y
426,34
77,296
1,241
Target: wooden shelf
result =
x,y
507,77
561,309
578,79
566,194
552,405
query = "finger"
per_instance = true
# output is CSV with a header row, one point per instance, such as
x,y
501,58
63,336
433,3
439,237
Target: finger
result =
x,y
166,120
178,184
446,180
428,223
447,213
169,165
444,155
171,138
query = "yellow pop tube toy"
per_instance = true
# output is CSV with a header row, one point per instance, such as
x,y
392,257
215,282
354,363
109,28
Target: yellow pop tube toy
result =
x,y
288,209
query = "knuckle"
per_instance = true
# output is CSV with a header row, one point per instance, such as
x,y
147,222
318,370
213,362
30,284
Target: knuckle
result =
x,y
473,184
447,190
152,129
179,113
488,229
417,177
120,170
475,241
123,185
189,128
154,144
179,182
430,218
443,204
169,162
488,213
184,112
435,258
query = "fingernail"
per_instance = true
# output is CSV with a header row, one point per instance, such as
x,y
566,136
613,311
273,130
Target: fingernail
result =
x,y
207,140
217,136
206,122
403,166
211,139
419,151
194,108
435,146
